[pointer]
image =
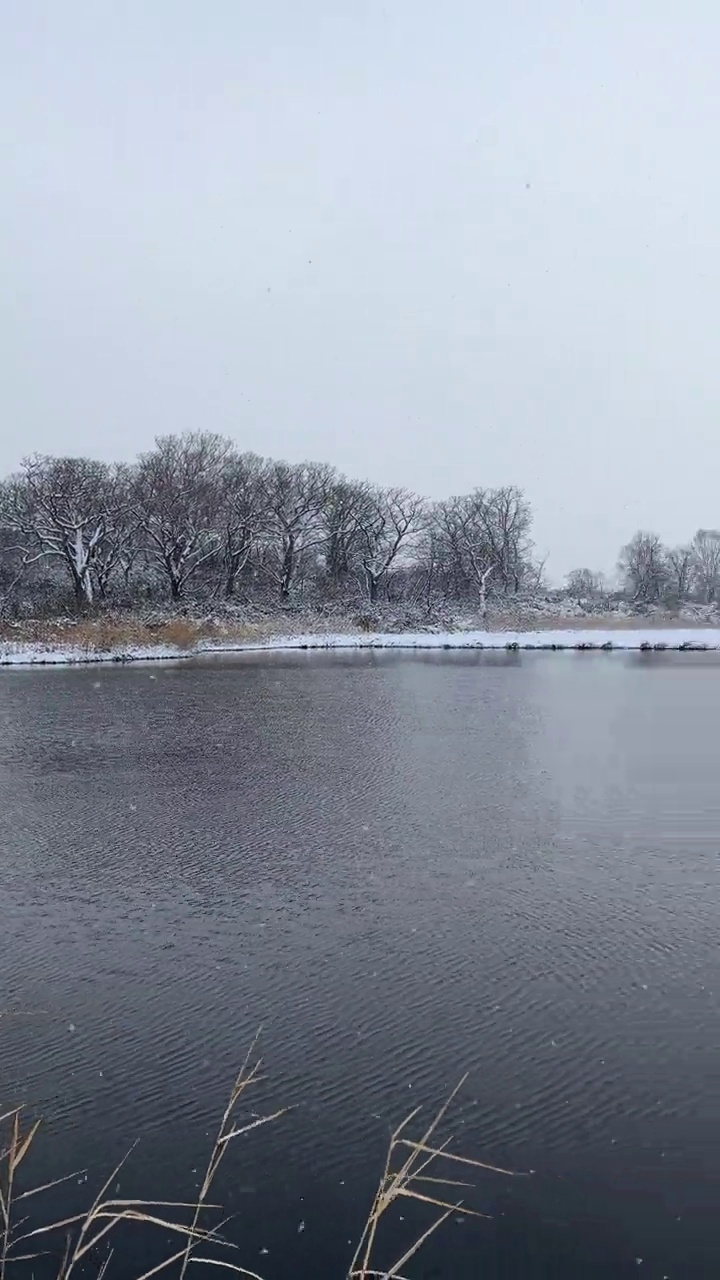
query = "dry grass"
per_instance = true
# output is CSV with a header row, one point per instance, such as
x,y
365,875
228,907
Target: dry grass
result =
x,y
84,1232
596,622
105,635
408,1175
125,633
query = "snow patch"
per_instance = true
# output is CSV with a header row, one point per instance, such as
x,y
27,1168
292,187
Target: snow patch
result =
x,y
676,638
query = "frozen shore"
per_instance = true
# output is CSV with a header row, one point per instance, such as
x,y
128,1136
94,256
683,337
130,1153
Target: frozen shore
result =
x,y
13,654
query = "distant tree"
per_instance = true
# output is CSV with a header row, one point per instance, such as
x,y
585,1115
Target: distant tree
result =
x,y
644,567
705,549
62,509
465,527
198,519
584,584
534,581
481,540
243,513
295,498
12,567
680,572
177,492
347,507
508,521
388,520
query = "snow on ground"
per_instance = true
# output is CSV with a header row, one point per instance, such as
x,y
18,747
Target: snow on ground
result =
x,y
655,638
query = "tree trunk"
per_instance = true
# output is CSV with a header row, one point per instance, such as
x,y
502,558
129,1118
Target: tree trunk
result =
x,y
232,573
288,568
483,590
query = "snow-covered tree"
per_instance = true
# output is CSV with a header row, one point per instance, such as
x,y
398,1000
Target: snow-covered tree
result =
x,y
62,509
243,513
705,550
483,540
388,520
584,584
295,498
679,562
644,567
348,502
177,492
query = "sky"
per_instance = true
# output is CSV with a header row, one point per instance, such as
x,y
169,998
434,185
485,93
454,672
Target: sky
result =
x,y
440,246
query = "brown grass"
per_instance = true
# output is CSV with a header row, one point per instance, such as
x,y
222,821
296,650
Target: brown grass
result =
x,y
122,634
596,622
407,1175
411,1180
112,634
84,1231
102,635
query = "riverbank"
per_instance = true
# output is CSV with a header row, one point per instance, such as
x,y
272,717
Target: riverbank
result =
x,y
184,641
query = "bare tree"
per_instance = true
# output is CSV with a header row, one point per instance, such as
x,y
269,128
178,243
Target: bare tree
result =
x,y
477,549
62,509
706,564
533,575
388,521
443,547
177,492
468,554
119,546
295,498
584,584
347,504
507,518
199,517
12,566
243,512
680,571
643,564
483,538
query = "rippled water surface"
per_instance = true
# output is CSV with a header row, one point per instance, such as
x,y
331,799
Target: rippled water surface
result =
x,y
405,868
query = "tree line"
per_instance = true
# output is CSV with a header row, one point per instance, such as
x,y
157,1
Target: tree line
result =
x,y
195,518
654,574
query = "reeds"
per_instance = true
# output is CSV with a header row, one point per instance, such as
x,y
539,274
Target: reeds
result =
x,y
123,633
84,1231
412,1180
408,1173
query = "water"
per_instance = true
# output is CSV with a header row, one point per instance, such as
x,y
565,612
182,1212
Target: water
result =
x,y
405,868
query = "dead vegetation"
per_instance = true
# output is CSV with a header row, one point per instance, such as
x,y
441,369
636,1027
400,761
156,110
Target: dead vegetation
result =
x,y
410,1173
118,635
121,633
125,633
598,622
82,1233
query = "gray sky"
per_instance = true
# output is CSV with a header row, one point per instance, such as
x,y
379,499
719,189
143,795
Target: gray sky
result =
x,y
442,245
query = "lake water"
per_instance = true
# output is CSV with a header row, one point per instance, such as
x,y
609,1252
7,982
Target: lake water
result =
x,y
405,867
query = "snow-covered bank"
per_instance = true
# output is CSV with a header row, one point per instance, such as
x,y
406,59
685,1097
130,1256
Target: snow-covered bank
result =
x,y
692,638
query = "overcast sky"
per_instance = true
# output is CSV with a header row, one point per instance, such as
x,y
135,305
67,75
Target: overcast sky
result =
x,y
439,245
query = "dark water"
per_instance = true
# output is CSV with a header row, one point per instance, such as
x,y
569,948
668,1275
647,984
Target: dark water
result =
x,y
405,868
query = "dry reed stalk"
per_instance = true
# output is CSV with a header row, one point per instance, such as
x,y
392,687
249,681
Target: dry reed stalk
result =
x,y
246,1077
86,1230
410,1181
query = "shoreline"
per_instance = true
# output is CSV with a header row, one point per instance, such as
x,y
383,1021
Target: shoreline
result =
x,y
675,639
